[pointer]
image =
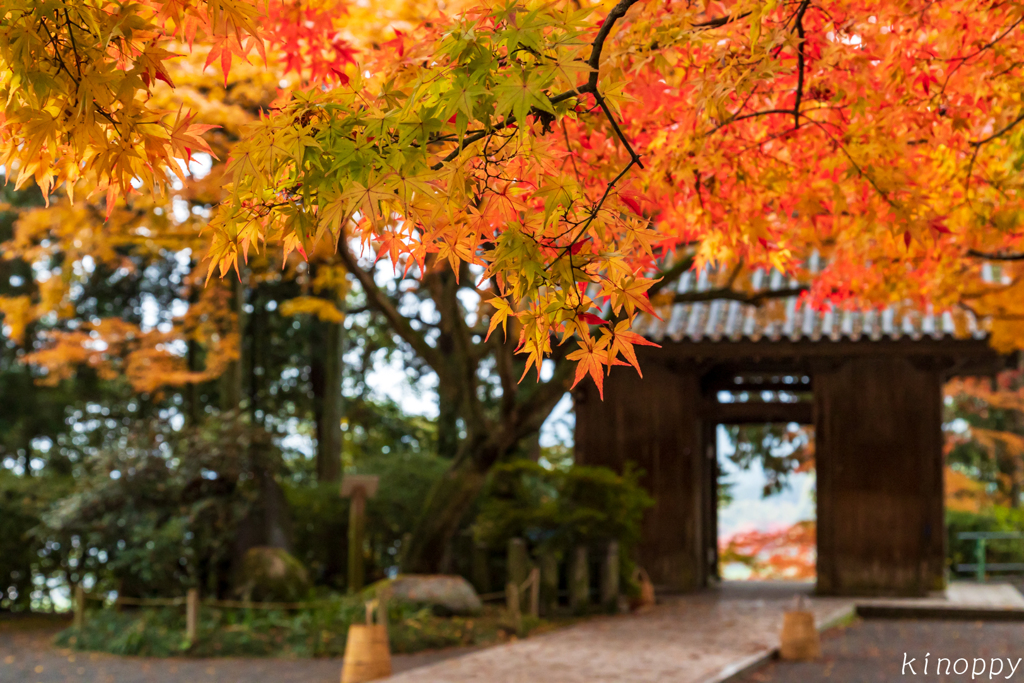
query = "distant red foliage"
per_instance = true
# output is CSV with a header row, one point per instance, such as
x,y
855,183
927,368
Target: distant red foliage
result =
x,y
788,553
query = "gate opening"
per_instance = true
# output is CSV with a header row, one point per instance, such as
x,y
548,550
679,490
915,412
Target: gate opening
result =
x,y
765,509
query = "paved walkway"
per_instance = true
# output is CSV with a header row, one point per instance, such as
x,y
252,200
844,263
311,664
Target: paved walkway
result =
x,y
963,594
685,640
872,651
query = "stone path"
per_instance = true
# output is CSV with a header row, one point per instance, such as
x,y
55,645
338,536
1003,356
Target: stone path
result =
x,y
685,640
872,651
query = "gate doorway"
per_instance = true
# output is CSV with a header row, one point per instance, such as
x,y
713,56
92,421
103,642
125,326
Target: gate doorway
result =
x,y
766,504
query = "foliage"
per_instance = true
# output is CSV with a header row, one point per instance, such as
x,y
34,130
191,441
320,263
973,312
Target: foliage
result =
x,y
985,437
995,518
781,450
552,168
786,553
556,509
320,515
23,501
271,574
162,511
316,632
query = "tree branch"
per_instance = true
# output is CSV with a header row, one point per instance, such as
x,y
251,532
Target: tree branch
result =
x,y
590,86
1002,131
800,62
746,298
670,275
995,257
380,301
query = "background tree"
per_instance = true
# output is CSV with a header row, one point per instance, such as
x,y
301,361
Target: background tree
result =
x,y
512,152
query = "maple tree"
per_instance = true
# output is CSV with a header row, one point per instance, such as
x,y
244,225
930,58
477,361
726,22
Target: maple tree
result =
x,y
559,164
786,553
985,452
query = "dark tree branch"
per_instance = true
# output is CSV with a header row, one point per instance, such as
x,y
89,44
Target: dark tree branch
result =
x,y
718,22
1002,131
670,275
589,87
994,257
800,62
729,294
380,301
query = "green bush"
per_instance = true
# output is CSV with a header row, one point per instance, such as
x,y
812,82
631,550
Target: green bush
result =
x,y
557,509
316,632
163,512
320,515
996,518
23,555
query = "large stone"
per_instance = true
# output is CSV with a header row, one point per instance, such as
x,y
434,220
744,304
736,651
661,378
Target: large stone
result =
x,y
272,574
446,594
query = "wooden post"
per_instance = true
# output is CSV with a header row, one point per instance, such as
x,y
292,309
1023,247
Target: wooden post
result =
x,y
518,561
357,487
535,592
610,578
79,621
548,583
512,603
356,532
191,614
579,580
481,570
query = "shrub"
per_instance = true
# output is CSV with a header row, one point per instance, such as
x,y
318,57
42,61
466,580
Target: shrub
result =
x,y
164,512
319,631
320,515
559,508
23,555
996,518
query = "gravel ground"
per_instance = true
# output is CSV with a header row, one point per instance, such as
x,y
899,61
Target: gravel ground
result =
x,y
26,656
873,650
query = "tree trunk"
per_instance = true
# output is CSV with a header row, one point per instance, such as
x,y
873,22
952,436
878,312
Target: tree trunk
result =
x,y
446,505
326,377
231,381
453,496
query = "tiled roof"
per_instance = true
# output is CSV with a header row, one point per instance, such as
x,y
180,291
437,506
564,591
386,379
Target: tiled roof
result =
x,y
787,318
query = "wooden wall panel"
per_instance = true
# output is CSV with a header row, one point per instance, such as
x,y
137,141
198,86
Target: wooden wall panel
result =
x,y
654,423
879,465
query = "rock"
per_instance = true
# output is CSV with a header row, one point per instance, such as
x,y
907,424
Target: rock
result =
x,y
446,594
272,574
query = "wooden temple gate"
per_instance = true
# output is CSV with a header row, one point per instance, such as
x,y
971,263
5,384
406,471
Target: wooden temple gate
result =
x,y
873,393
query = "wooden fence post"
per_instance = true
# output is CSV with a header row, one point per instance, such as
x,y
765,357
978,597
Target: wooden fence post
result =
x,y
512,602
191,614
535,592
579,580
79,620
610,578
518,561
481,569
548,582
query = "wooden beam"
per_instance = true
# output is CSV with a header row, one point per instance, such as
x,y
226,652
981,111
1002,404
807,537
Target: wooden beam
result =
x,y
795,388
756,413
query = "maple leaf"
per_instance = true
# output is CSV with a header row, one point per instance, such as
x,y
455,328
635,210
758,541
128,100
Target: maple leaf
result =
x,y
631,293
623,341
591,359
500,316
